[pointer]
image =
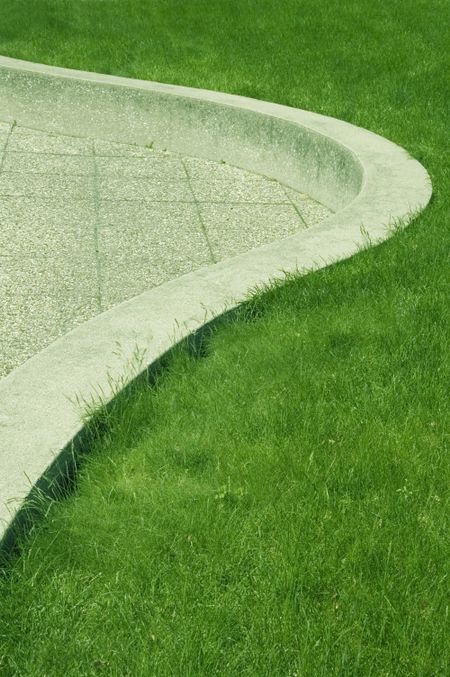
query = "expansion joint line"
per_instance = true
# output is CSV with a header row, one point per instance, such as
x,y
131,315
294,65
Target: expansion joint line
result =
x,y
294,206
96,201
5,147
199,213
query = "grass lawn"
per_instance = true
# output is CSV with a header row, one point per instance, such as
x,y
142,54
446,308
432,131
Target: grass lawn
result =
x,y
279,505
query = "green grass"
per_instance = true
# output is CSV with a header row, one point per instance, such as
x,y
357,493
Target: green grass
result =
x,y
278,506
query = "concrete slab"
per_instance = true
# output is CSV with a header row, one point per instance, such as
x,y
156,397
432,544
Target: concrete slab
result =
x,y
57,186
124,276
236,228
42,298
33,141
205,171
111,149
160,169
248,188
45,163
172,242
141,189
147,215
39,226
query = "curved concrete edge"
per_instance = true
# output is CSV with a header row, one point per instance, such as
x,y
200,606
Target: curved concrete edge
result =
x,y
381,184
299,149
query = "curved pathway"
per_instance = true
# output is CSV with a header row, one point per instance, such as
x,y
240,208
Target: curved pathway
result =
x,y
86,224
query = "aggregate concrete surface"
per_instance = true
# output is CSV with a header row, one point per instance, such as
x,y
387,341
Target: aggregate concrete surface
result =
x,y
86,224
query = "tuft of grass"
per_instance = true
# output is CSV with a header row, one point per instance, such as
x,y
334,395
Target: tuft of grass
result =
x,y
277,502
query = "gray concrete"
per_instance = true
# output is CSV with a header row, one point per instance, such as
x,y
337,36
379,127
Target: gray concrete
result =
x,y
261,137
369,182
70,250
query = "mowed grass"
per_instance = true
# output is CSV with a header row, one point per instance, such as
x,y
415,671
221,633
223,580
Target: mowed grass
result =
x,y
278,504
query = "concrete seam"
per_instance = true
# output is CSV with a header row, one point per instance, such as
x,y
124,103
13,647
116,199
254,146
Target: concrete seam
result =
x,y
148,202
4,149
46,153
48,173
294,205
96,201
199,214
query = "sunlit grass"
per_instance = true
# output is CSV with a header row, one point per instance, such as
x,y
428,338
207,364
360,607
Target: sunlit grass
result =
x,y
279,505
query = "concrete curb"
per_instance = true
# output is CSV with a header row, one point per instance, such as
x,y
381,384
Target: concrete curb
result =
x,y
368,181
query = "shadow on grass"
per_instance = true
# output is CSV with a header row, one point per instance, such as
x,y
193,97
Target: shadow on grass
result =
x,y
100,418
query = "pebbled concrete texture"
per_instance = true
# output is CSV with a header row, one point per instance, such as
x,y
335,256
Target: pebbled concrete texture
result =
x,y
86,224
368,182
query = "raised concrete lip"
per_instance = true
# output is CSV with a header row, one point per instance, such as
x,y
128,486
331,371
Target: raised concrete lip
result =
x,y
380,182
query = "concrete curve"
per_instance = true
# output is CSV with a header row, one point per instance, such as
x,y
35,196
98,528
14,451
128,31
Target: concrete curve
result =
x,y
369,182
86,224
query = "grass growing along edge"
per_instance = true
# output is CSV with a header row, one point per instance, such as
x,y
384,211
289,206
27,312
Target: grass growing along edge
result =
x,y
280,505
